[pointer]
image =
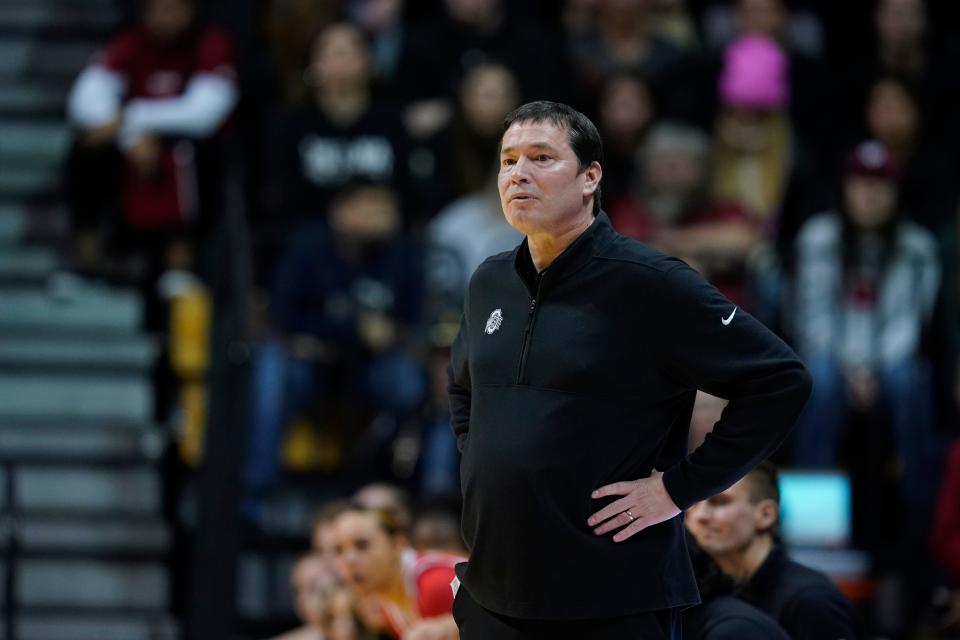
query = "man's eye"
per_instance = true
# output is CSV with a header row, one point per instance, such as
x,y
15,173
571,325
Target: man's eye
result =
x,y
543,157
508,161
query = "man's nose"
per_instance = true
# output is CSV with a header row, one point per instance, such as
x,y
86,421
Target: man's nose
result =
x,y
700,511
520,171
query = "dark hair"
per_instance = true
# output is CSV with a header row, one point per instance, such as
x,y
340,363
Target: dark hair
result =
x,y
328,512
386,519
582,134
764,482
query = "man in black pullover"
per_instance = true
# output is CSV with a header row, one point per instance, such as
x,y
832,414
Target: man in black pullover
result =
x,y
572,382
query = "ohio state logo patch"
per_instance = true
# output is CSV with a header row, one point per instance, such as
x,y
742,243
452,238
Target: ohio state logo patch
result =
x,y
494,321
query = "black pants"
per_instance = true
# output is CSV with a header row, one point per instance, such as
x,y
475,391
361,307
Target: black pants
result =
x,y
477,623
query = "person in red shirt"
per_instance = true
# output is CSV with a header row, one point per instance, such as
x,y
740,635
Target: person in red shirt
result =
x,y
144,174
669,207
400,592
156,89
945,539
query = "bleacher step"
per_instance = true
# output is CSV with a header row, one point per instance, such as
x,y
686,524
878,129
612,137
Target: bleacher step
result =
x,y
114,397
24,98
21,57
71,305
128,353
21,17
26,264
93,626
87,490
34,143
94,536
91,584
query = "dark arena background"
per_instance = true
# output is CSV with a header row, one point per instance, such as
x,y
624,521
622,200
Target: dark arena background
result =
x,y
235,236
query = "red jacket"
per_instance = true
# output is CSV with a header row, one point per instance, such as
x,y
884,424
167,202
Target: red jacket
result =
x,y
946,526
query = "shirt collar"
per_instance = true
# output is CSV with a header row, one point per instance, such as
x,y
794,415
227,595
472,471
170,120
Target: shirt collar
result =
x,y
765,578
571,259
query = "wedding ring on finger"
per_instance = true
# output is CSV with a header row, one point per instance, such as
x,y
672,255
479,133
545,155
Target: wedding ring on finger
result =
x,y
630,515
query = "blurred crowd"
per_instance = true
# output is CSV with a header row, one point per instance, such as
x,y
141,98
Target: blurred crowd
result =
x,y
801,155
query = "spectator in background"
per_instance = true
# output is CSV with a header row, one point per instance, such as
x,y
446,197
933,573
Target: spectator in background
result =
x,y
946,535
438,529
721,615
399,592
672,21
444,47
290,28
754,136
159,95
321,530
626,113
760,161
456,161
438,463
905,44
865,286
894,117
798,30
313,584
622,38
670,208
487,94
738,528
382,22
464,234
341,136
343,300
384,496
799,34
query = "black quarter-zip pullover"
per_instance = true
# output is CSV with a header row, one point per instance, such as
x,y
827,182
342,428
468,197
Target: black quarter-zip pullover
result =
x,y
583,375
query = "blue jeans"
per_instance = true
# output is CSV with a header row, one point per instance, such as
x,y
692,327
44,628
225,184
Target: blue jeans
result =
x,y
440,460
904,394
283,385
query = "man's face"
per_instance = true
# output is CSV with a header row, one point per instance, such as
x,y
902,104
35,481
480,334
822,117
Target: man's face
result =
x,y
729,521
870,200
369,215
339,57
541,187
768,17
626,110
167,20
891,114
366,557
311,581
900,23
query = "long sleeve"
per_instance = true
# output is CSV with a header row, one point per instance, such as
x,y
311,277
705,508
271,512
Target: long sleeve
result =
x,y
198,112
458,387
709,344
817,286
95,97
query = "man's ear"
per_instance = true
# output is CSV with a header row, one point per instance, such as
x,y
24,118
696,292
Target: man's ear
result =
x,y
767,514
592,175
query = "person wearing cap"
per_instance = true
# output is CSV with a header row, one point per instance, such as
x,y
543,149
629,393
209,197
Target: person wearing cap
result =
x,y
866,282
760,163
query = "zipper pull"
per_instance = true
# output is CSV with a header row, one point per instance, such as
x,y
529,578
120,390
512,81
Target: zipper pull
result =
x,y
533,305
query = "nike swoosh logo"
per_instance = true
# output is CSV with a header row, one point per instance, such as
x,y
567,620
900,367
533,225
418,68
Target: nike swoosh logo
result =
x,y
727,321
